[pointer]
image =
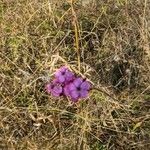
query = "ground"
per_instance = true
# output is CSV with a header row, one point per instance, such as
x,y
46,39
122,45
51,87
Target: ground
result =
x,y
105,41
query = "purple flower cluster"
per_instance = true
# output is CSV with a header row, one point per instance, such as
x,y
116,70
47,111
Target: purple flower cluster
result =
x,y
66,83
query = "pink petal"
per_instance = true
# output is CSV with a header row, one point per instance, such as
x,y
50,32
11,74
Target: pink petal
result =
x,y
63,69
55,81
74,94
57,89
77,82
69,76
72,87
61,79
57,73
83,94
48,88
66,90
85,85
55,94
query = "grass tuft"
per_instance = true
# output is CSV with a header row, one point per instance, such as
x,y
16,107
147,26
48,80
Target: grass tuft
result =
x,y
105,41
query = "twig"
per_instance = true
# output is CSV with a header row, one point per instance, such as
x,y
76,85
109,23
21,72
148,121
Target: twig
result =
x,y
98,89
76,29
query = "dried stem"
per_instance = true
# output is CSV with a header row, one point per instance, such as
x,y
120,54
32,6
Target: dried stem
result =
x,y
98,89
76,30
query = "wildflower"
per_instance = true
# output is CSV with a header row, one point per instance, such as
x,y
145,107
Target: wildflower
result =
x,y
79,88
54,88
67,84
64,75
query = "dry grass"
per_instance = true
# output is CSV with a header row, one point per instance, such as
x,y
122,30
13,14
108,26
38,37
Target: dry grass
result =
x,y
113,52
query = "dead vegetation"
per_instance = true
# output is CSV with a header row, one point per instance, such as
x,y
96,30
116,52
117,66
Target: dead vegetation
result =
x,y
39,36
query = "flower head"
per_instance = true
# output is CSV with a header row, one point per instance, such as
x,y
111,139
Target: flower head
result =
x,y
54,88
66,83
64,75
79,88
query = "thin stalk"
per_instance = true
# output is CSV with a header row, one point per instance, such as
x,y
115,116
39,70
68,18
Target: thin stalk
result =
x,y
98,89
76,30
